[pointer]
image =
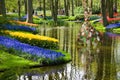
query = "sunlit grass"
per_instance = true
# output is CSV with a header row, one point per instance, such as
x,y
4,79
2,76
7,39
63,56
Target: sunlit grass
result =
x,y
98,26
116,30
8,61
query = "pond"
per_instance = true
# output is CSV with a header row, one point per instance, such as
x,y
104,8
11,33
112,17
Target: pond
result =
x,y
99,62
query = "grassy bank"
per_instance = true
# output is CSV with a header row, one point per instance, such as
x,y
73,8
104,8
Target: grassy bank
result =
x,y
8,61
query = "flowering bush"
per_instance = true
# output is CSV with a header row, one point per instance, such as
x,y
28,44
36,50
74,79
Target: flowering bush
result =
x,y
35,40
19,28
36,52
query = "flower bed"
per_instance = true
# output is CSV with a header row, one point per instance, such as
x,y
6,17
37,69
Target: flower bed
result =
x,y
35,40
24,23
19,28
29,52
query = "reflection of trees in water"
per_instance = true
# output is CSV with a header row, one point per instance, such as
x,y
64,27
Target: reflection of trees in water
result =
x,y
94,61
106,69
87,62
88,42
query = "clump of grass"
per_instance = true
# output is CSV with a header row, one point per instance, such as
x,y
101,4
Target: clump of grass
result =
x,y
99,27
116,30
8,61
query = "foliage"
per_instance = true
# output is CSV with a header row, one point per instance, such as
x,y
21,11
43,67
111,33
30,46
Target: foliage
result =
x,y
94,17
116,30
63,17
72,18
98,26
11,5
36,40
3,20
95,9
79,10
79,17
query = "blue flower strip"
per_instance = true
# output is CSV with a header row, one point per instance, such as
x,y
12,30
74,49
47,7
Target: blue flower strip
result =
x,y
21,28
33,50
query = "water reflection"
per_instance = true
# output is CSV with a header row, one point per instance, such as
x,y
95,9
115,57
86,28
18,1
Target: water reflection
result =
x,y
99,62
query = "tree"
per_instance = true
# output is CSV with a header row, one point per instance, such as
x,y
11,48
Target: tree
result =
x,y
2,8
30,11
66,5
116,5
110,8
25,4
44,9
103,7
72,3
54,9
19,9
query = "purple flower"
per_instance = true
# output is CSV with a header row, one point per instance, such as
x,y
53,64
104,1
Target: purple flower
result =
x,y
33,50
21,28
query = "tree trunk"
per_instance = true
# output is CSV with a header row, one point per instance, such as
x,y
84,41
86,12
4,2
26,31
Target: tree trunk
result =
x,y
29,11
2,8
25,3
116,5
44,9
66,7
19,9
40,6
56,10
72,2
52,8
110,6
103,6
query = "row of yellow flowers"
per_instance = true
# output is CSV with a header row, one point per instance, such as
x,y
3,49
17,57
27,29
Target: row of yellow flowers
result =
x,y
34,39
30,36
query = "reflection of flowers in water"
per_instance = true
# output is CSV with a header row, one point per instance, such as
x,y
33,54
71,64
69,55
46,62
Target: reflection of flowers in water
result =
x,y
88,40
88,35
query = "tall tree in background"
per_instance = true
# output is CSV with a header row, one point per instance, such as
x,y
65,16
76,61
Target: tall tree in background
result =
x,y
19,9
66,5
103,7
115,5
72,3
110,8
25,3
40,4
44,8
54,9
29,11
2,8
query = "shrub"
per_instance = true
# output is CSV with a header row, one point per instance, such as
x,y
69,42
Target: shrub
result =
x,y
35,40
3,20
79,17
79,10
71,18
63,17
94,17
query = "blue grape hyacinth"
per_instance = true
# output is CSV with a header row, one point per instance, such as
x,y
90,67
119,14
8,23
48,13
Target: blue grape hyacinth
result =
x,y
19,28
26,48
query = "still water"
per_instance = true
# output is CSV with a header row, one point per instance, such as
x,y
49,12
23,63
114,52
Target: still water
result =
x,y
101,62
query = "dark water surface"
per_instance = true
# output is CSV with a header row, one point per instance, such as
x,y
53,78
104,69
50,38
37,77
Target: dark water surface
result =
x,y
100,62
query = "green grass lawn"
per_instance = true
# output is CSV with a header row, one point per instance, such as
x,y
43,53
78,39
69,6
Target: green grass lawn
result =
x,y
8,61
